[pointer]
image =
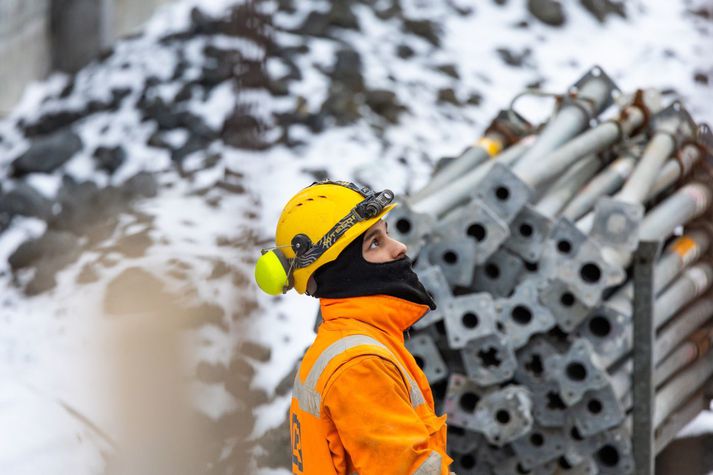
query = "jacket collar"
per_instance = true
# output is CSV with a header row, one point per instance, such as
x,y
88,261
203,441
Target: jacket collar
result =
x,y
389,314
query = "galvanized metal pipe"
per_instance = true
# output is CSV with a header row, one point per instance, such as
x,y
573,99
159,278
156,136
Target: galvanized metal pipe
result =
x,y
678,255
605,183
592,141
473,156
687,203
567,185
642,179
688,320
691,284
459,191
680,387
680,418
674,169
697,346
568,121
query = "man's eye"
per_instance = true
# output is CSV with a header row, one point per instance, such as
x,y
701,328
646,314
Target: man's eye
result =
x,y
374,244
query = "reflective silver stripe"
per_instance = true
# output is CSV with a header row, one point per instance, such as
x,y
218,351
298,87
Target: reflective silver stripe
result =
x,y
430,466
310,400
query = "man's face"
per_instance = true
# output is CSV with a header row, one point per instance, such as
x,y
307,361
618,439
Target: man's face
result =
x,y
379,247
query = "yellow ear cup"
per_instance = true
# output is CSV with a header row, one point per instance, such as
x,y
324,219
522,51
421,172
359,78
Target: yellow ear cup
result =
x,y
271,274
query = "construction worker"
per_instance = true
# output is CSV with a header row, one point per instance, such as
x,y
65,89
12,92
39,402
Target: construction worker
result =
x,y
360,402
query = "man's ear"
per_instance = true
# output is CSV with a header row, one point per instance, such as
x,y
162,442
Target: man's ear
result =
x,y
311,286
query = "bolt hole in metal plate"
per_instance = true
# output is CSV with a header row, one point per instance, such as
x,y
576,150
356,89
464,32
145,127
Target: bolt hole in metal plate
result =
x,y
568,311
499,275
478,225
437,286
409,227
605,328
461,400
576,371
489,359
616,223
528,232
503,192
523,314
598,411
456,258
427,356
540,446
469,317
505,415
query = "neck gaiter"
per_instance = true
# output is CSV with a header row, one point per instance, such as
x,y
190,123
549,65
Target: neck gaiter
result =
x,y
350,275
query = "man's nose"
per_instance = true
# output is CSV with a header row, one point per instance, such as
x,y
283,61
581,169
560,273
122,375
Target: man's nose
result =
x,y
399,249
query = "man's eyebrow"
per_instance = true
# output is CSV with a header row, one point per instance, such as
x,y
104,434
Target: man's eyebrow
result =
x,y
371,233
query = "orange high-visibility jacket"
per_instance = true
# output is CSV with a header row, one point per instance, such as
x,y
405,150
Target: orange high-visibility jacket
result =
x,y
360,403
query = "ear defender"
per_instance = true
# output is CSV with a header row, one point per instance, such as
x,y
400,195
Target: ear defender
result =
x,y
272,269
272,272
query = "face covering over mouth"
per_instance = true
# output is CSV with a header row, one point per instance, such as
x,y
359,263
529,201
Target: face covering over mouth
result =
x,y
350,275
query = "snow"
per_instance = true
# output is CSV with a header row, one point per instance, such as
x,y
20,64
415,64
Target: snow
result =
x,y
46,340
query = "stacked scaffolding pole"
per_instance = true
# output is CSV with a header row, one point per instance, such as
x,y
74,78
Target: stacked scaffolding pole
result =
x,y
526,241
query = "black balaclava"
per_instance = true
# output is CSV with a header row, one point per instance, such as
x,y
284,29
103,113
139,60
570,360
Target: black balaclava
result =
x,y
350,275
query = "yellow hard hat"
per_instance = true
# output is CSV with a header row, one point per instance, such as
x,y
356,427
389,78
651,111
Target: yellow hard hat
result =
x,y
314,227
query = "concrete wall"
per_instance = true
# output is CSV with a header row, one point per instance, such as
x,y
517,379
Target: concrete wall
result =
x,y
24,47
37,36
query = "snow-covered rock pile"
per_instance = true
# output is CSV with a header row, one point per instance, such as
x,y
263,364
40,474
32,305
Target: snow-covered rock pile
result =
x,y
163,165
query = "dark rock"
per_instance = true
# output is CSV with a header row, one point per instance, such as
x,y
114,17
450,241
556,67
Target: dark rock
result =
x,y
342,16
701,78
87,275
601,9
243,130
276,445
133,245
384,103
316,24
318,174
206,314
278,87
474,99
404,51
315,122
426,29
52,244
512,58
255,351
547,11
285,384
110,158
24,200
389,11
450,70
48,153
705,12
210,373
342,104
52,122
220,269
240,368
448,95
347,70
143,184
242,392
134,290
5,219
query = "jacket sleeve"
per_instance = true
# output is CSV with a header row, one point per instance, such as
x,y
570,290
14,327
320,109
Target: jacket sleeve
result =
x,y
368,402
